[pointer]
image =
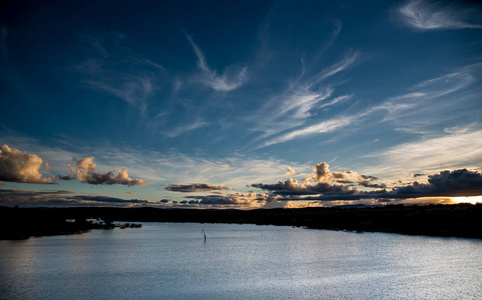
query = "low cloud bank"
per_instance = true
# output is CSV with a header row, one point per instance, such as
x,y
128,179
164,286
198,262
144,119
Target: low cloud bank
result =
x,y
195,187
61,198
323,184
241,200
454,183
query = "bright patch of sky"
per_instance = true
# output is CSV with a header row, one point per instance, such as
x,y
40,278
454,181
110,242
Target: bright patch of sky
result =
x,y
123,99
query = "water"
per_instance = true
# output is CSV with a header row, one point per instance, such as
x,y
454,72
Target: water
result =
x,y
172,261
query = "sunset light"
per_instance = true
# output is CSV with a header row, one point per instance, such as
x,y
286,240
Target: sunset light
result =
x,y
472,200
240,149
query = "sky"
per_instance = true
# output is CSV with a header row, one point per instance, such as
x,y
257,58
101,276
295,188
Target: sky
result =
x,y
240,104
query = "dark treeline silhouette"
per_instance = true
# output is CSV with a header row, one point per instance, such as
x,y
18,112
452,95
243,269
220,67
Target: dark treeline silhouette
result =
x,y
460,220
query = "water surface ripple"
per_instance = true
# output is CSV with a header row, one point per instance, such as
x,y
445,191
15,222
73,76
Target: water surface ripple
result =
x,y
172,261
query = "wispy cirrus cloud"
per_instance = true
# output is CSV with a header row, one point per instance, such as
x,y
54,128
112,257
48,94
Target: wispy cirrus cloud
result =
x,y
228,81
185,128
431,15
236,170
350,59
401,109
421,94
322,127
301,102
113,67
134,90
447,151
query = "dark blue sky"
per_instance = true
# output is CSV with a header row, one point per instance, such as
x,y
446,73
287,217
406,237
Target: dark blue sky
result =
x,y
232,93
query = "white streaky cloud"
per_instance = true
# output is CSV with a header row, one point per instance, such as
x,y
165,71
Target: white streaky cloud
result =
x,y
227,81
235,171
450,151
106,70
404,108
449,83
185,128
348,61
461,129
393,110
291,112
303,98
135,90
336,100
173,166
151,63
323,127
18,166
300,103
157,167
427,15
443,85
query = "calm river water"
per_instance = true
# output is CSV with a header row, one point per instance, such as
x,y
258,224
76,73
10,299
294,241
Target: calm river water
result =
x,y
172,261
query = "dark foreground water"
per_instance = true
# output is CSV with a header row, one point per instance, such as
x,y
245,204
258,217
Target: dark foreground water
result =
x,y
172,261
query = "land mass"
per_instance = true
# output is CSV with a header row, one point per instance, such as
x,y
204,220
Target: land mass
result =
x,y
460,220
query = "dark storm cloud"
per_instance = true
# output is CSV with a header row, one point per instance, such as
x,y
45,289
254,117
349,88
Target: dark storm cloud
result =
x,y
366,181
107,199
66,177
327,186
417,175
292,187
454,183
195,187
248,199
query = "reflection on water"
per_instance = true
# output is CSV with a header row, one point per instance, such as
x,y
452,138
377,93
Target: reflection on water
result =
x,y
172,261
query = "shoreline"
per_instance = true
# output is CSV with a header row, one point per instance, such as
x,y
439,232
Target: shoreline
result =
x,y
456,220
